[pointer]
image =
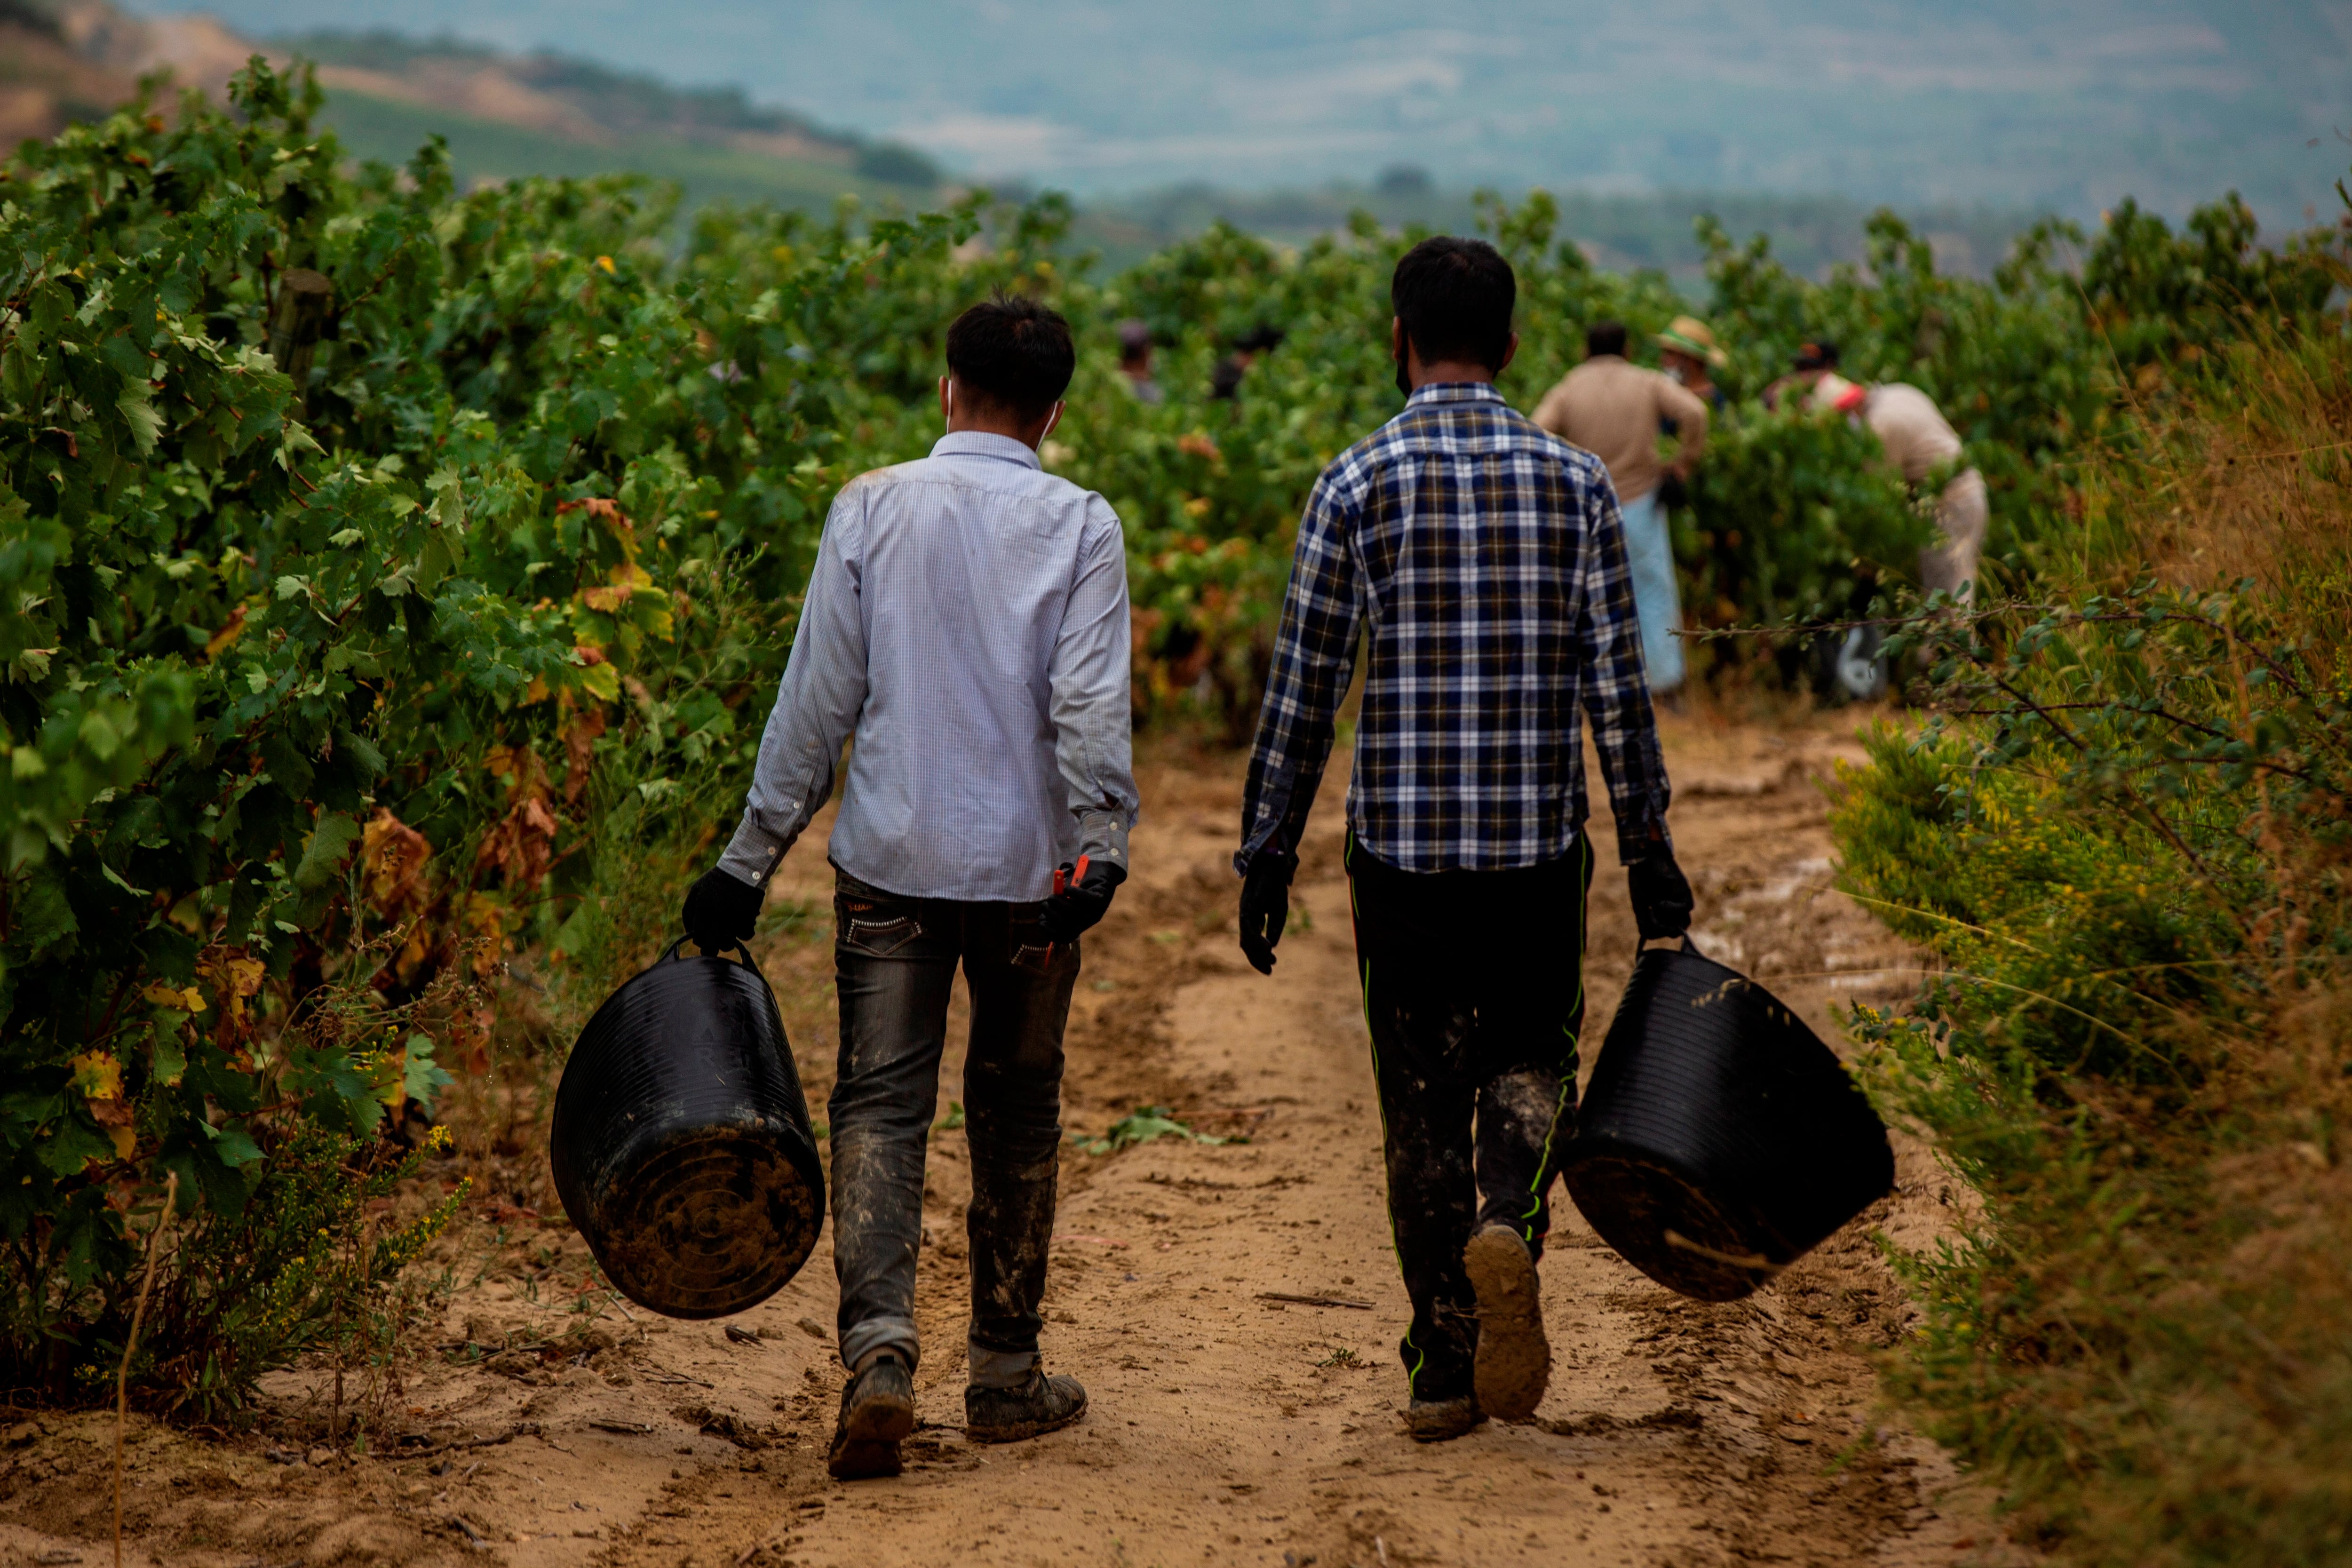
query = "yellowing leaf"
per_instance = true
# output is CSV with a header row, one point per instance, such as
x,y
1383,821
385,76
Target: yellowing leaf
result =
x,y
223,638
602,681
98,1076
606,263
188,1000
126,1137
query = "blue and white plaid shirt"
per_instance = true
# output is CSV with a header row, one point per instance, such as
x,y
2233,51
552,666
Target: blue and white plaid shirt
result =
x,y
1487,559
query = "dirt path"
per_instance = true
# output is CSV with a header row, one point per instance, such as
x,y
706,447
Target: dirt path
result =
x,y
1225,1428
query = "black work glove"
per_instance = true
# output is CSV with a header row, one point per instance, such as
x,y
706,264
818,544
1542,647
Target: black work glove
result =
x,y
1079,908
721,909
1661,894
1265,906
1673,491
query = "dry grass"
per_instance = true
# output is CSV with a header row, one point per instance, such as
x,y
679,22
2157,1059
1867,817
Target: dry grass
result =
x,y
2151,1344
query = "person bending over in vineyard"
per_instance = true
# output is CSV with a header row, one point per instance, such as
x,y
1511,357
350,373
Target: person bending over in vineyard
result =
x,y
1482,562
967,623
1918,441
1615,409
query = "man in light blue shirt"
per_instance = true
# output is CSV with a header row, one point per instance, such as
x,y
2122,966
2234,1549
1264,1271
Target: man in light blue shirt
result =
x,y
967,624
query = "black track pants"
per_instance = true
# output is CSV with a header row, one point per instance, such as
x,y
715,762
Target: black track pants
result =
x,y
1473,990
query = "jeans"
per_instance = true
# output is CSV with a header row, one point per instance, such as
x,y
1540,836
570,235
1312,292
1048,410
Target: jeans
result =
x,y
895,961
1658,597
1473,989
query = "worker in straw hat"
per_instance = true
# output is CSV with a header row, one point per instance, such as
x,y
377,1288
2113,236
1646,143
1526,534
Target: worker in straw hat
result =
x,y
1689,354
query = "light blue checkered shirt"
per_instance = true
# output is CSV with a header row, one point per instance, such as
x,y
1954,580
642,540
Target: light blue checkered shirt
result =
x,y
967,624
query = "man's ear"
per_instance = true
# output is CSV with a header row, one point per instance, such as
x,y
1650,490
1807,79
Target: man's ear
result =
x,y
1510,353
947,398
1053,419
1396,339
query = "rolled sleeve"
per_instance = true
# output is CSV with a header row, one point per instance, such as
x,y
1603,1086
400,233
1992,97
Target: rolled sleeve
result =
x,y
818,702
1688,409
1089,691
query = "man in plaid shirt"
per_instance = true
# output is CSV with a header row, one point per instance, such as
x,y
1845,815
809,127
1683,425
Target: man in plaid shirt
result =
x,y
1482,561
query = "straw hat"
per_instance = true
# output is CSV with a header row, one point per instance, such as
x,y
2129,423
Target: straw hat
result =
x,y
1688,334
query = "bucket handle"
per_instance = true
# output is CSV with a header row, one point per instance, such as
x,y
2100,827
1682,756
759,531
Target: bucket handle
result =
x,y
742,954
1689,945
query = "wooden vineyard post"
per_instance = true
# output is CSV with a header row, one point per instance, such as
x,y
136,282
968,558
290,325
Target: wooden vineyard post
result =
x,y
131,1344
297,318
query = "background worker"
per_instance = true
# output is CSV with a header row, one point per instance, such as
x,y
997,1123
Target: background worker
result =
x,y
1135,360
1225,379
1484,563
1918,441
967,621
1616,409
1689,356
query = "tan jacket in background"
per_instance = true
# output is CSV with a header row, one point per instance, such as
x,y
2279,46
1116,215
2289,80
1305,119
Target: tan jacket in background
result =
x,y
1612,408
1905,420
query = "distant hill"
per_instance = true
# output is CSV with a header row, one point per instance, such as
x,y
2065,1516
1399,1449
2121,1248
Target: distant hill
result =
x,y
507,115
504,116
1653,229
2066,105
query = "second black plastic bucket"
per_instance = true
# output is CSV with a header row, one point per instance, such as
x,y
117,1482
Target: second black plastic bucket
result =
x,y
1720,1139
680,1142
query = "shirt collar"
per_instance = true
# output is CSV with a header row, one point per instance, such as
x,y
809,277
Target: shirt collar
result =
x,y
983,444
1454,392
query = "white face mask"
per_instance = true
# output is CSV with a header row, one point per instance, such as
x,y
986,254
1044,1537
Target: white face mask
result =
x,y
1676,373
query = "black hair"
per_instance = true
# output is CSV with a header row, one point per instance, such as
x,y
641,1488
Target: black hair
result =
x,y
1605,338
1260,339
1012,351
1134,341
1817,353
1454,297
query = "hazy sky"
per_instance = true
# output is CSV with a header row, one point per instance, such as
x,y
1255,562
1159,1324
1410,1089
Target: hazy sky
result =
x,y
2058,102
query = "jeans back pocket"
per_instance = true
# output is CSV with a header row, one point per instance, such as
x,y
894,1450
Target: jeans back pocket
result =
x,y
876,929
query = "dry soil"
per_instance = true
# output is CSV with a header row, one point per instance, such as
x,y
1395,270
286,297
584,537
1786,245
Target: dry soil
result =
x,y
548,1426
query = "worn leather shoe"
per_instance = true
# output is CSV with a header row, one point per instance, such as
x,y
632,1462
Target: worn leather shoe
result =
x,y
1042,1404
1441,1420
878,1412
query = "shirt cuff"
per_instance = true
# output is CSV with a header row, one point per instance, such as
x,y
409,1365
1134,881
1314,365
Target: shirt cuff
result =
x,y
1640,839
755,851
1102,836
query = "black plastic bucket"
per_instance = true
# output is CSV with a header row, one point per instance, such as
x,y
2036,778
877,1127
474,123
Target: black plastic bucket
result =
x,y
1720,1139
680,1142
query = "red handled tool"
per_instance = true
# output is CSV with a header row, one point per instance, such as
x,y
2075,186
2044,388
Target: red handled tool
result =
x,y
1064,878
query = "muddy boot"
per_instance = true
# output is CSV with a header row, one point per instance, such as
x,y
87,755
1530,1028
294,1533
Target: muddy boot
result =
x,y
1441,1420
878,1412
1010,1415
1514,1361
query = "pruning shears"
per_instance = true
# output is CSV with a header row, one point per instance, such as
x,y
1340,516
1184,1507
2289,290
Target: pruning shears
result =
x,y
1064,878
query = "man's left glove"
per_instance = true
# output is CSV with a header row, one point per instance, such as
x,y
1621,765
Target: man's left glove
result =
x,y
722,910
1082,901
1661,895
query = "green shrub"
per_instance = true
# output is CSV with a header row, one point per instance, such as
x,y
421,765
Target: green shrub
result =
x,y
1798,517
309,678
2124,843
